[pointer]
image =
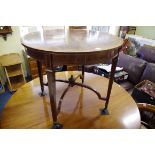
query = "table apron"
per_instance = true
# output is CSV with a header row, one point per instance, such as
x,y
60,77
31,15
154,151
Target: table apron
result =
x,y
73,59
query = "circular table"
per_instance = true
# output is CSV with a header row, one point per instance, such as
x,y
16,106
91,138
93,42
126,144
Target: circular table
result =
x,y
71,47
26,109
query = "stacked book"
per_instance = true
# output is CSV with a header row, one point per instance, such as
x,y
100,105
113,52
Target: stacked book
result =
x,y
105,70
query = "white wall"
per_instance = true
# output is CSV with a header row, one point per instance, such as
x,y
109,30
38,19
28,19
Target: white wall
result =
x,y
12,44
146,31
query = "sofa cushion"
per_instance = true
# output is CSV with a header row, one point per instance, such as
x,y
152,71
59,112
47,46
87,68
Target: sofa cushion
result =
x,y
149,73
147,53
133,66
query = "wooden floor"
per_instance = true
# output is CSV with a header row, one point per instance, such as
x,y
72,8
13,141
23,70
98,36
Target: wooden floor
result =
x,y
80,107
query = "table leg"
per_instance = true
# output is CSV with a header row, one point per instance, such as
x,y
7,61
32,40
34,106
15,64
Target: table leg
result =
x,y
39,65
113,68
52,95
83,69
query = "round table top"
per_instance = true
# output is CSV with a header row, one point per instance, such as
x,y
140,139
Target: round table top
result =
x,y
80,106
71,41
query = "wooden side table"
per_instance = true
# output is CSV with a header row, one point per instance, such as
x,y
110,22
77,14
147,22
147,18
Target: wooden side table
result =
x,y
71,47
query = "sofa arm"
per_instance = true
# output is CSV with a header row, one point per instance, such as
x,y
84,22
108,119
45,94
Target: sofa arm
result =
x,y
147,112
146,107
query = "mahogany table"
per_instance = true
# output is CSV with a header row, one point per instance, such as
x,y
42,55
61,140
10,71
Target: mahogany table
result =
x,y
26,109
71,47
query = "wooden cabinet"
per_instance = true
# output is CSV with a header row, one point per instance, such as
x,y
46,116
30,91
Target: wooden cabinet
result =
x,y
13,69
33,68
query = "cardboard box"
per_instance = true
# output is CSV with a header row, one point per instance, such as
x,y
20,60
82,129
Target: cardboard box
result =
x,y
144,92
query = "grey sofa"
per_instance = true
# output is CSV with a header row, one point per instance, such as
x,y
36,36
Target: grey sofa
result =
x,y
139,68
